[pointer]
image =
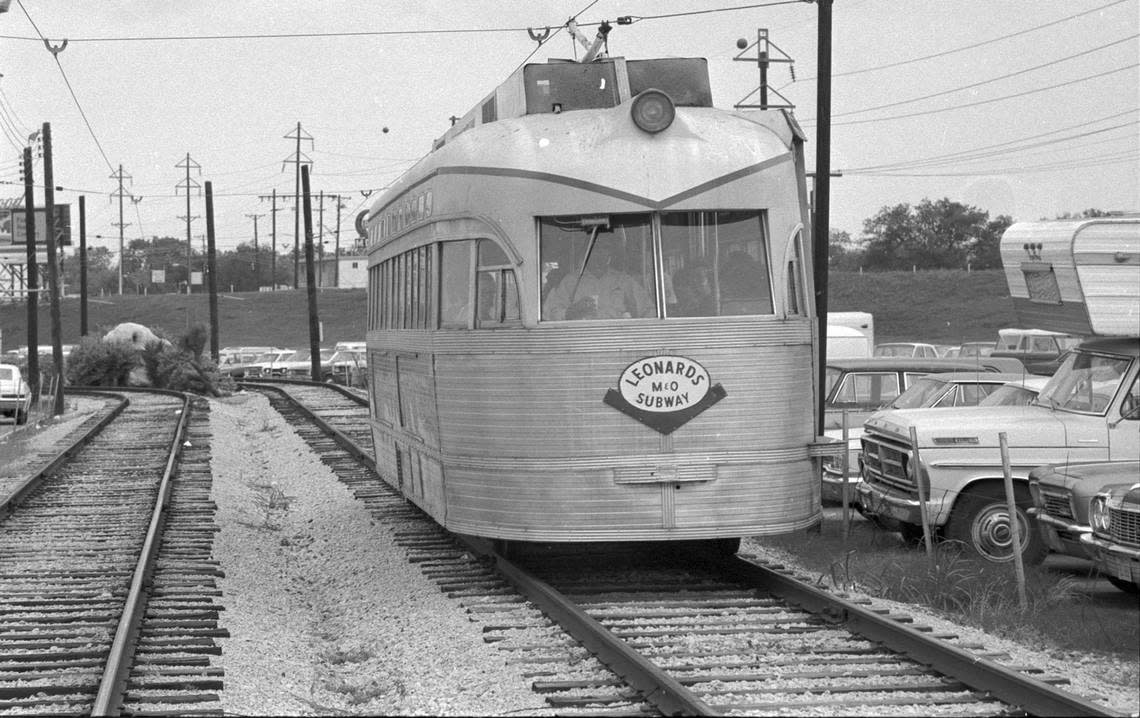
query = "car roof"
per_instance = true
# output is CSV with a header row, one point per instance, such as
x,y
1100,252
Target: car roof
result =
x,y
1113,345
904,344
980,375
904,364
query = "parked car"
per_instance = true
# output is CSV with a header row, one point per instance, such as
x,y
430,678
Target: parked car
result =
x,y
238,361
15,395
268,365
1016,393
976,349
917,350
300,365
862,387
1114,516
1089,411
348,367
1041,351
1061,497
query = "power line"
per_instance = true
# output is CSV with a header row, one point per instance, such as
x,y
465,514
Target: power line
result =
x,y
974,46
55,55
988,152
986,82
984,102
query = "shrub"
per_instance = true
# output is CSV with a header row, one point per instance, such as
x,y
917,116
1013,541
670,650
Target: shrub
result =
x,y
97,363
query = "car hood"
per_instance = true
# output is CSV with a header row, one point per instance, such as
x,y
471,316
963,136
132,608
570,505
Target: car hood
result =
x,y
1024,426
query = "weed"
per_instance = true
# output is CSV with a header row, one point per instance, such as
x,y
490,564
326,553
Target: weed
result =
x,y
971,591
272,504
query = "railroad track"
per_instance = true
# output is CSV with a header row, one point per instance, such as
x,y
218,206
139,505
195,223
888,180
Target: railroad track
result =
x,y
105,571
663,631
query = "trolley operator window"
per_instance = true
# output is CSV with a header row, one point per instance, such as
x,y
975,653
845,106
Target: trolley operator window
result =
x,y
713,263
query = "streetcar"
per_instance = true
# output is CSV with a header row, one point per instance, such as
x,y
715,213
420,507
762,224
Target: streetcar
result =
x,y
590,314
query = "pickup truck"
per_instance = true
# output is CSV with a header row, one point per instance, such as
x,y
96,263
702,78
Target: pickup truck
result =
x,y
1089,411
15,396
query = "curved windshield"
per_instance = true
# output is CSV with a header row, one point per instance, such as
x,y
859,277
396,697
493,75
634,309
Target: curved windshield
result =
x,y
1009,395
1085,382
922,393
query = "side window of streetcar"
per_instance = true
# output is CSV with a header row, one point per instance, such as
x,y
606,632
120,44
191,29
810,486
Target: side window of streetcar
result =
x,y
496,292
455,284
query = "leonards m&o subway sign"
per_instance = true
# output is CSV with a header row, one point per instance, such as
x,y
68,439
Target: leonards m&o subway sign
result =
x,y
664,391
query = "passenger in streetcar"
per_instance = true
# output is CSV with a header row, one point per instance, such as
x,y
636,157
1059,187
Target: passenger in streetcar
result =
x,y
602,289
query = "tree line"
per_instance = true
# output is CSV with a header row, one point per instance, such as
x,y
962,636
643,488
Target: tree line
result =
x,y
940,234
245,268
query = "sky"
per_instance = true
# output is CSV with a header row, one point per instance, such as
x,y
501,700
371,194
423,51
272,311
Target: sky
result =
x,y
1026,108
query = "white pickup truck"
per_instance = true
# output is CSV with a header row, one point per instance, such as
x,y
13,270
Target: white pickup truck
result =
x,y
1089,411
1081,277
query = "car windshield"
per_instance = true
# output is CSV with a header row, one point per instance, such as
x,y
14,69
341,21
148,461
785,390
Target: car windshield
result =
x,y
922,393
347,357
1009,395
306,355
894,350
1085,382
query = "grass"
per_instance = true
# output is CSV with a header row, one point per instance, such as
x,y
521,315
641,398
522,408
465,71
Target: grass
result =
x,y
977,593
944,307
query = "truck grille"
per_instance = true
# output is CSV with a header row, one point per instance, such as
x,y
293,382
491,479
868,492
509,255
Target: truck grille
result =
x,y
1058,505
1125,526
884,464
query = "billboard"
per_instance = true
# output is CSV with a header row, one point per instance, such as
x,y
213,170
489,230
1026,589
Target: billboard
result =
x,y
14,229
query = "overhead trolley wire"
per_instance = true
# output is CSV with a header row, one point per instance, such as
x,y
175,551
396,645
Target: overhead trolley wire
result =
x,y
55,56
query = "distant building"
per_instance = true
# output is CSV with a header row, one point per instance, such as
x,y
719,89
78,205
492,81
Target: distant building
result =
x,y
344,272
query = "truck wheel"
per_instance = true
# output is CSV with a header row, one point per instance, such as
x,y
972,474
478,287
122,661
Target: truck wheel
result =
x,y
1126,586
980,521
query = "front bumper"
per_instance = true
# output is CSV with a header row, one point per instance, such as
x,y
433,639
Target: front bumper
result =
x,y
1062,536
894,508
1123,562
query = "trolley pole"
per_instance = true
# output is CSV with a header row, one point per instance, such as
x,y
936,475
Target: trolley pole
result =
x,y
31,280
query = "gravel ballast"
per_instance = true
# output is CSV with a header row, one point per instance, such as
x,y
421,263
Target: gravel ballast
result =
x,y
325,614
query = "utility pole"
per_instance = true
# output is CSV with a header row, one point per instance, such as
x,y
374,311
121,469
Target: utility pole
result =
x,y
53,273
821,215
273,234
212,275
297,159
120,194
321,236
763,59
336,259
311,288
82,266
31,280
256,273
188,184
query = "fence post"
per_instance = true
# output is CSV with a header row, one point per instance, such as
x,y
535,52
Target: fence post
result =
x,y
843,486
921,494
1014,524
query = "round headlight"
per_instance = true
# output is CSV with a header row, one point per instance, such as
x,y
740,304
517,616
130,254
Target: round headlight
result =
x,y
652,111
1098,514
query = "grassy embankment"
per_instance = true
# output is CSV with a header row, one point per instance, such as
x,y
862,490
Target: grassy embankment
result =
x,y
944,307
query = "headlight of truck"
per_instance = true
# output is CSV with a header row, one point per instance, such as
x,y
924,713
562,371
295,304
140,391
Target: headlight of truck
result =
x,y
915,473
1098,513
